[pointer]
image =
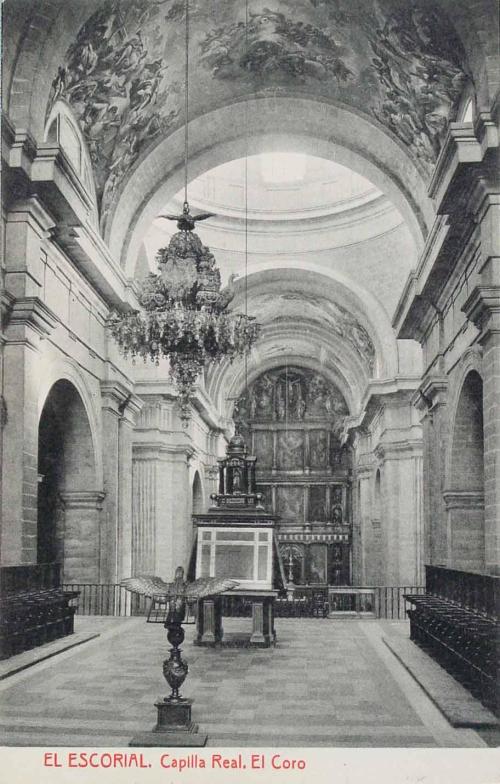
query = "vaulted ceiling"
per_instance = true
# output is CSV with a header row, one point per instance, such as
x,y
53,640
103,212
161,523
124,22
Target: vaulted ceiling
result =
x,y
398,63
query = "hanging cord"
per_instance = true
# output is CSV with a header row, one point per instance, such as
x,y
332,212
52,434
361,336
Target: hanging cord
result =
x,y
246,203
186,104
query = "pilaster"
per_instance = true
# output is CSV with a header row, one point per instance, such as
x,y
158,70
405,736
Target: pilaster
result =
x,y
119,409
28,322
161,524
82,536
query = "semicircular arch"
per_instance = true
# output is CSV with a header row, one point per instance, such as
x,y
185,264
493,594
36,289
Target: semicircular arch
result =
x,y
64,370
355,142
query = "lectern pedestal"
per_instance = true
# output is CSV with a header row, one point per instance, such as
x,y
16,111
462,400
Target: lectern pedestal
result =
x,y
174,727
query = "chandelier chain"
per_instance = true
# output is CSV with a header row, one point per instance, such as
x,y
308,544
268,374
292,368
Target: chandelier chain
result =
x,y
246,200
186,102
185,314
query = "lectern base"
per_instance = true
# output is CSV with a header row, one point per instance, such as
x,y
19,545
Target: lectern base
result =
x,y
174,727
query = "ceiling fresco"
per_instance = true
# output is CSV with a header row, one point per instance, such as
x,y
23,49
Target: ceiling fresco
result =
x,y
399,61
298,307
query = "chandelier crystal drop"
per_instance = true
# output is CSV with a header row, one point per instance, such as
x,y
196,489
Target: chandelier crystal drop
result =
x,y
185,316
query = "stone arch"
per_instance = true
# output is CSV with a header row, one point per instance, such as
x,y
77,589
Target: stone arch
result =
x,y
464,498
58,370
312,344
471,361
197,494
68,503
255,125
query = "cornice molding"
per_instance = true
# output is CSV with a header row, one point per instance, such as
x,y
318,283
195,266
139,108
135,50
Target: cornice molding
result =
x,y
83,499
120,399
459,147
463,499
389,450
482,307
159,450
33,313
19,146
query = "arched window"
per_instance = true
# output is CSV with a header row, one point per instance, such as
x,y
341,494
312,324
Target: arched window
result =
x,y
63,129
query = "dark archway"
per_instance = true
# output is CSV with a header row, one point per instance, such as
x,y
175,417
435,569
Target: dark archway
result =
x,y
465,498
198,499
68,503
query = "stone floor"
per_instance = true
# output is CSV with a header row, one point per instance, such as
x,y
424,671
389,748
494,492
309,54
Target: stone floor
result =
x,y
327,683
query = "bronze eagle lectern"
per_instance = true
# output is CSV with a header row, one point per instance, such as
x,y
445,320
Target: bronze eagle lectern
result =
x,y
174,712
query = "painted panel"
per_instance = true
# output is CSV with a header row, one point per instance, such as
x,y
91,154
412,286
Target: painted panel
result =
x,y
263,448
318,449
290,503
317,511
290,453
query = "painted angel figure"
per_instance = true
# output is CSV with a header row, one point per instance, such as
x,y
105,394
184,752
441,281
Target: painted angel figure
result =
x,y
179,592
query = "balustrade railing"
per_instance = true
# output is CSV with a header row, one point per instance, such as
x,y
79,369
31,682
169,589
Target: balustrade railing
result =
x,y
378,602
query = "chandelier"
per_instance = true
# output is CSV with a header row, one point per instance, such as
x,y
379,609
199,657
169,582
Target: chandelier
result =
x,y
185,316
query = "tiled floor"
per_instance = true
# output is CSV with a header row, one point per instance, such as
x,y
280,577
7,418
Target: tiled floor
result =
x,y
327,683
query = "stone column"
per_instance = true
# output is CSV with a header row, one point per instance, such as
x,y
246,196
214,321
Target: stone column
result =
x,y
401,513
28,322
82,536
161,523
431,402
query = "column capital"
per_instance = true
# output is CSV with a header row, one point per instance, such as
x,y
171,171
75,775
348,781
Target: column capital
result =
x,y
29,314
431,394
396,450
82,499
482,308
32,211
119,399
463,499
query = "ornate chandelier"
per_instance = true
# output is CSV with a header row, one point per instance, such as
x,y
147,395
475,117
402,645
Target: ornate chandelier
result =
x,y
185,316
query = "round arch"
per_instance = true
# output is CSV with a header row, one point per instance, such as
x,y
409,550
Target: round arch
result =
x,y
198,494
355,142
464,496
68,504
471,361
65,370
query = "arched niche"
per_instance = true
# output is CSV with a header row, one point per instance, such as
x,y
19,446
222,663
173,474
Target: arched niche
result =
x,y
69,505
198,495
464,497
